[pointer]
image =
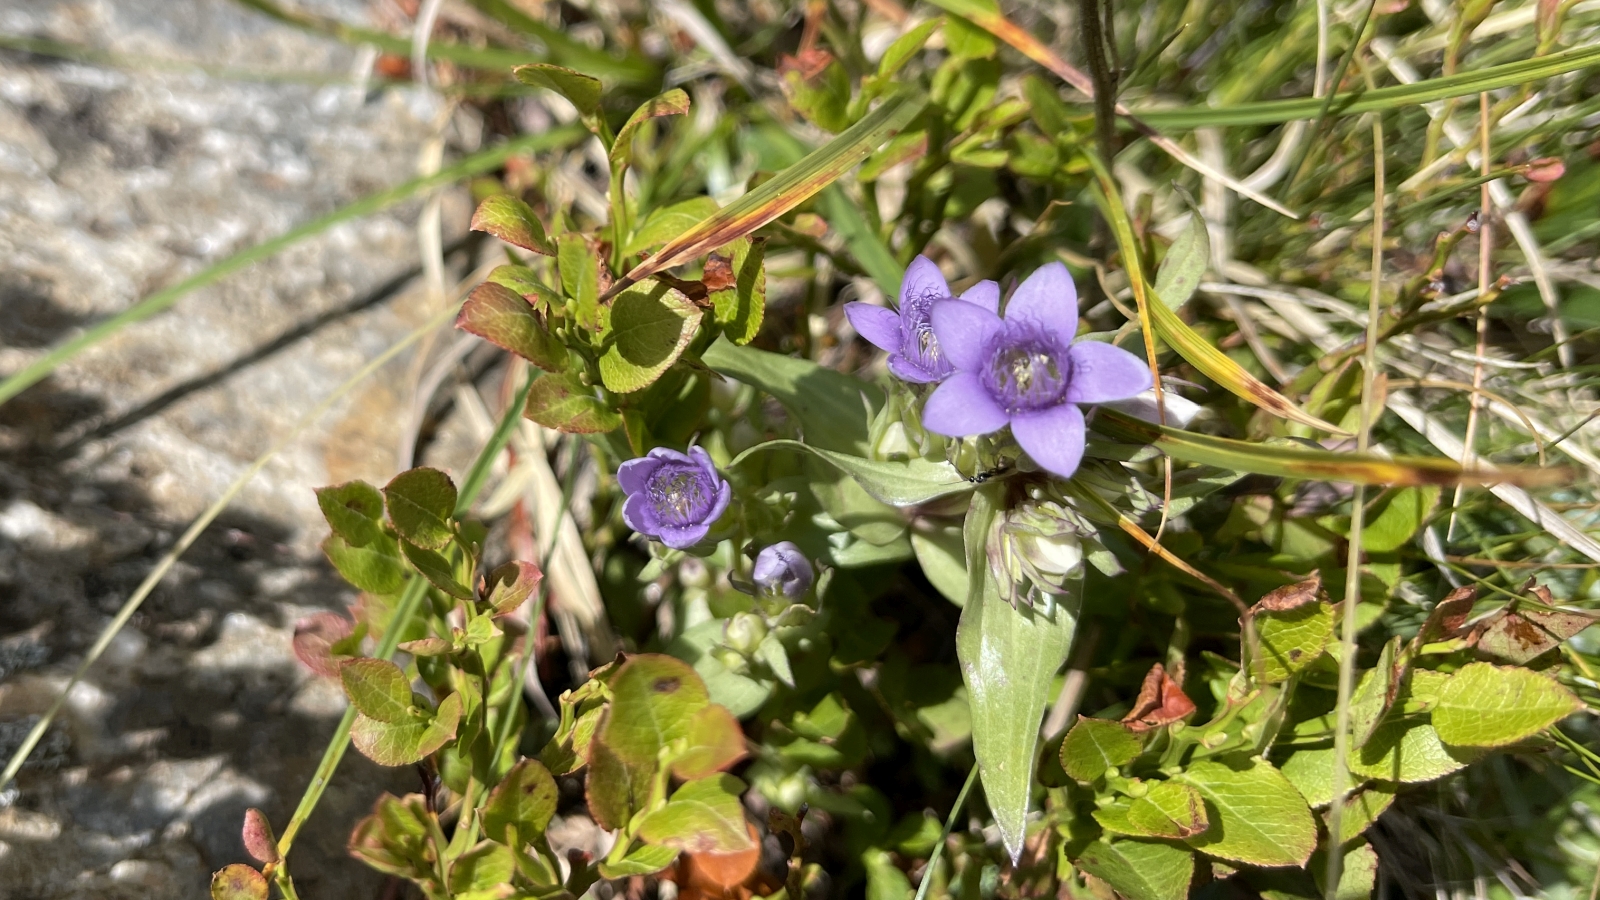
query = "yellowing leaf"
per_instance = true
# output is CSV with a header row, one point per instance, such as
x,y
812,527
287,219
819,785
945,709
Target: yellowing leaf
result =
x,y
1257,817
1485,705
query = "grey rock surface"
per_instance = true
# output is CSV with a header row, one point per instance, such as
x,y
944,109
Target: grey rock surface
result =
x,y
115,181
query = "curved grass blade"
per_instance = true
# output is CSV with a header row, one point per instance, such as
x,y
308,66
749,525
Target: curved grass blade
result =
x,y
131,605
1273,112
162,299
792,187
1163,321
993,21
944,835
1318,465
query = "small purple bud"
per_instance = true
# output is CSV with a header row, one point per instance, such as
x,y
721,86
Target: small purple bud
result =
x,y
673,497
783,569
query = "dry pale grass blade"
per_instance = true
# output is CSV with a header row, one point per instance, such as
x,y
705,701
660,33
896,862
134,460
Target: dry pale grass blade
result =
x,y
574,592
995,22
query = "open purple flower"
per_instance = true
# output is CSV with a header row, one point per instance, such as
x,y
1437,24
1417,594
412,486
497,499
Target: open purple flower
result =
x,y
907,335
673,497
783,569
1025,371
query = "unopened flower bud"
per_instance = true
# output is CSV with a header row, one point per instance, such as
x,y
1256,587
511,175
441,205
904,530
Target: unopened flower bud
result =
x,y
744,632
1038,546
783,569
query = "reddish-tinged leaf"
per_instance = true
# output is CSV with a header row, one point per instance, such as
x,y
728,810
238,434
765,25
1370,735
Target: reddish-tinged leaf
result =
x,y
504,318
1448,616
510,585
712,874
565,404
1527,628
673,103
1545,169
314,637
715,743
238,882
524,801
1291,596
258,839
514,222
1161,702
789,189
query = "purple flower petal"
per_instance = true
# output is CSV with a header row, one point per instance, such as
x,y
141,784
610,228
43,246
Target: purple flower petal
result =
x,y
724,497
634,475
1102,372
880,326
964,331
1049,299
638,515
703,460
1053,437
985,294
907,370
923,279
961,407
682,537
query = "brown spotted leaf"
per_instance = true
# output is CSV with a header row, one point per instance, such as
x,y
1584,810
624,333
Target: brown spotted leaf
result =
x,y
1291,596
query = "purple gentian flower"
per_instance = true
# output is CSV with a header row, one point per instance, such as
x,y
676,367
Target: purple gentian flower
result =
x,y
907,335
1025,371
673,497
783,569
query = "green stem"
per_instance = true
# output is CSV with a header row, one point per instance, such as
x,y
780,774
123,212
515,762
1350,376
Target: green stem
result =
x,y
944,836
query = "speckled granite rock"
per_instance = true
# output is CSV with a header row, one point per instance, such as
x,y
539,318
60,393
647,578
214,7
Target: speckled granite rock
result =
x,y
114,183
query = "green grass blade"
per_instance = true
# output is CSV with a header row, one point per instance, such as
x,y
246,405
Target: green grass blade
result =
x,y
792,187
1304,462
1273,112
161,300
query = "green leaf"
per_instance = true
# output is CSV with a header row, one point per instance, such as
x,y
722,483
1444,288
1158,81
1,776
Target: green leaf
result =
x,y
527,284
421,503
394,838
651,324
1291,639
581,90
1009,658
740,309
1407,751
833,409
1138,870
822,98
667,222
238,882
1362,808
1169,810
672,103
521,804
943,560
374,568
646,860
580,278
614,790
703,816
565,404
904,48
354,511
740,694
770,652
514,222
485,866
1185,263
793,186
437,570
653,702
510,585
378,689
1095,745
1485,705
502,317
1394,518
402,744
1257,817
1311,772
1373,694
885,880
896,482
1358,877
